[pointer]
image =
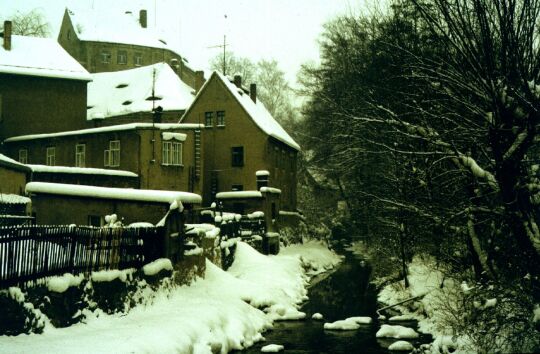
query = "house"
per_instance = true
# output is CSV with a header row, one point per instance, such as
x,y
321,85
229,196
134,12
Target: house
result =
x,y
105,42
133,95
42,88
242,140
154,156
14,206
88,205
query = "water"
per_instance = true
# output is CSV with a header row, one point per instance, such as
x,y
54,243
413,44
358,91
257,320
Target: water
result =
x,y
344,293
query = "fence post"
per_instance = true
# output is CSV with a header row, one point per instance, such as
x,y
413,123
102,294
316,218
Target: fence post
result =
x,y
72,234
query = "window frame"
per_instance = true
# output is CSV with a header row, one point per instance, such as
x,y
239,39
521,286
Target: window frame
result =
x,y
138,59
208,118
50,156
23,158
172,153
237,156
121,54
80,156
111,156
105,56
220,118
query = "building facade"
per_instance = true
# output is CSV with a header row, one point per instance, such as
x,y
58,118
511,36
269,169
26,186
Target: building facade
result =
x,y
241,138
161,156
42,89
120,42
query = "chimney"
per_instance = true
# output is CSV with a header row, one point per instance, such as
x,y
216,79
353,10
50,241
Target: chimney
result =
x,y
238,81
253,92
199,80
7,35
143,18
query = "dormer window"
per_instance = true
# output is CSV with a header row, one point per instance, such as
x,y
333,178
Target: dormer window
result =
x,y
105,56
138,59
122,57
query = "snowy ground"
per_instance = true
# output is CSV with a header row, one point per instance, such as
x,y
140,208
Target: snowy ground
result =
x,y
225,311
426,280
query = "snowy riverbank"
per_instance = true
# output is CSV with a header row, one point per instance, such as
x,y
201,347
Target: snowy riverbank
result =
x,y
224,311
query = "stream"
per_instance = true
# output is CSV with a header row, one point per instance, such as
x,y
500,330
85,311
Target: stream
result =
x,y
346,292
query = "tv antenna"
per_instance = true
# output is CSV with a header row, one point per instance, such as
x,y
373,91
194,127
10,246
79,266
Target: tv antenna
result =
x,y
224,46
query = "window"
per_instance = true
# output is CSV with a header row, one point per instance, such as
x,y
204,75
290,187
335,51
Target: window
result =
x,y
208,119
23,156
237,187
112,155
80,155
172,153
121,58
105,56
220,118
237,156
69,34
51,156
138,59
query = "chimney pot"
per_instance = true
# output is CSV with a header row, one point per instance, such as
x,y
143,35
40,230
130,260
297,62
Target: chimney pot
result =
x,y
253,92
7,35
143,18
238,81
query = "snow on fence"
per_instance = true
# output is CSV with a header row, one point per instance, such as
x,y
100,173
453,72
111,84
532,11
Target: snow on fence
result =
x,y
28,253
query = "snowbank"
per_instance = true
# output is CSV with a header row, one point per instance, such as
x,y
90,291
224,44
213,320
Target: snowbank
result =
x,y
315,255
60,284
219,313
157,266
425,279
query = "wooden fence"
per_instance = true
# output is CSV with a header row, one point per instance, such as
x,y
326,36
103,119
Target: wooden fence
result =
x,y
28,253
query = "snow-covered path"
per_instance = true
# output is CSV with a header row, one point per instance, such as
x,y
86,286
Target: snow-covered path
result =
x,y
213,314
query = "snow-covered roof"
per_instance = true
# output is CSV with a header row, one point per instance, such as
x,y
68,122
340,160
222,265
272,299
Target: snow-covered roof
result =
x,y
239,195
112,128
13,199
129,91
143,195
81,170
33,56
270,190
7,161
114,27
258,112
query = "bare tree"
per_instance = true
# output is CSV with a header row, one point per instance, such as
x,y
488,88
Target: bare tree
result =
x,y
32,23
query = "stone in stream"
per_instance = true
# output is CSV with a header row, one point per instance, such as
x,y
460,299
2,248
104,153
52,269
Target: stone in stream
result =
x,y
388,331
272,348
348,324
401,345
317,316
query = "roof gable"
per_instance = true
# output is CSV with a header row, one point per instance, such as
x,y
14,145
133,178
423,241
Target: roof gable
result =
x,y
44,57
255,110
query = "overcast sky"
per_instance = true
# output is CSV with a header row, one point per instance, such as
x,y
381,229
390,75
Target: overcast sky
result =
x,y
285,30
